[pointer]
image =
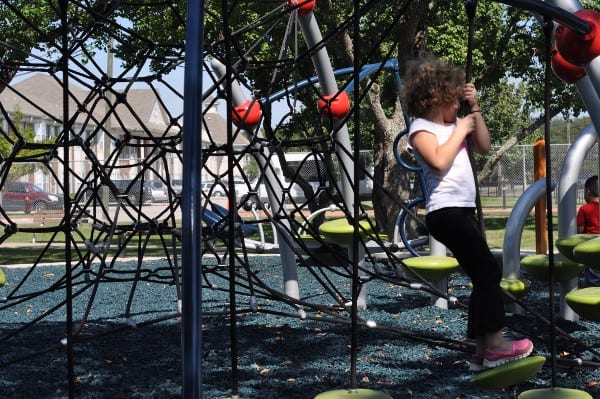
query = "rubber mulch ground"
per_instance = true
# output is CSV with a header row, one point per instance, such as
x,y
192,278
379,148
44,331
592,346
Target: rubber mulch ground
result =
x,y
135,351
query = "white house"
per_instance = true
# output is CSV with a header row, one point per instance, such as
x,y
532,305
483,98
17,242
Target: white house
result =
x,y
138,119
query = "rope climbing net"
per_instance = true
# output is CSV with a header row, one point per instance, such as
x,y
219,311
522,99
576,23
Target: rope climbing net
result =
x,y
97,135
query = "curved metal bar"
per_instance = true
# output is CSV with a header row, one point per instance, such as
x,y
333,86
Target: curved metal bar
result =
x,y
398,156
567,203
367,70
511,249
569,174
556,13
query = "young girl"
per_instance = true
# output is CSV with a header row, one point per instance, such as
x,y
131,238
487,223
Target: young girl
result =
x,y
432,92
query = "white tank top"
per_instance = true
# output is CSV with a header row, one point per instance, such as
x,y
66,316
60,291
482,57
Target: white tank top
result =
x,y
454,187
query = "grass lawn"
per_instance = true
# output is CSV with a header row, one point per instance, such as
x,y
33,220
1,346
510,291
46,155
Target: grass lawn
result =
x,y
27,251
495,223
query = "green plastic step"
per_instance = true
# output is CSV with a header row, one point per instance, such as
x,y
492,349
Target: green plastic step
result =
x,y
538,266
585,302
432,267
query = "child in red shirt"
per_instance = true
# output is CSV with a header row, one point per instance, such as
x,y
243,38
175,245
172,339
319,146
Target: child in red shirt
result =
x,y
588,221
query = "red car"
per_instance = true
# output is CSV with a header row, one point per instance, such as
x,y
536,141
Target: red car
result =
x,y
27,197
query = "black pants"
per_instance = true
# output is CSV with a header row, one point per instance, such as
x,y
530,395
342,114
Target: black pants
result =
x,y
458,230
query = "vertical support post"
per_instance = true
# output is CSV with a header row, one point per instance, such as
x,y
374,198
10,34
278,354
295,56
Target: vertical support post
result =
x,y
524,167
275,195
436,248
539,171
327,80
192,225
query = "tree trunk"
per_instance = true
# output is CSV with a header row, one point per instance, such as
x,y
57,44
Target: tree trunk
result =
x,y
391,183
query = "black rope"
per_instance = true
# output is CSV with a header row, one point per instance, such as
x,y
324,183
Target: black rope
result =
x,y
231,237
471,8
548,29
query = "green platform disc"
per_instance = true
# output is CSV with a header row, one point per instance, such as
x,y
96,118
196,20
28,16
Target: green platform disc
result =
x,y
554,393
510,374
566,244
341,232
2,278
517,287
588,252
431,267
585,302
353,394
538,266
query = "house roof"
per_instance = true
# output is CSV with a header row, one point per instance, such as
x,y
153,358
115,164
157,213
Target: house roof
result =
x,y
139,112
215,124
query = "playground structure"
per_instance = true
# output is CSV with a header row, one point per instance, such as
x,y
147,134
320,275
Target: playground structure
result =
x,y
90,260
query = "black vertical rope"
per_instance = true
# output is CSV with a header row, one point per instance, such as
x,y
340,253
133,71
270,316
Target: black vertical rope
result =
x,y
233,341
356,199
471,8
64,5
548,29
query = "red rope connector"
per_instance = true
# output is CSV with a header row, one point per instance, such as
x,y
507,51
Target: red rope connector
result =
x,y
576,48
247,115
563,69
335,106
304,6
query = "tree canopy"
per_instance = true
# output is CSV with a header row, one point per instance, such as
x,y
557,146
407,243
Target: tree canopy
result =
x,y
267,53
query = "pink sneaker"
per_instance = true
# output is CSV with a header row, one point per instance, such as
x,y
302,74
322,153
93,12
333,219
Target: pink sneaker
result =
x,y
496,357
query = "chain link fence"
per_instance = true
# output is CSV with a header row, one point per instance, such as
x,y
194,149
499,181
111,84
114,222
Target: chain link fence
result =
x,y
515,172
511,177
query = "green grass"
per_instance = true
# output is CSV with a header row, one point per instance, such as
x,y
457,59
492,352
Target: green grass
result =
x,y
498,202
495,224
28,251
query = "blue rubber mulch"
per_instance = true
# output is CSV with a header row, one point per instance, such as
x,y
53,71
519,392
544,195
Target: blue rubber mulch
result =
x,y
135,351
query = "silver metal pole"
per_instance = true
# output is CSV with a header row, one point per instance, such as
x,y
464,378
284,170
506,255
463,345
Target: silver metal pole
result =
x,y
327,80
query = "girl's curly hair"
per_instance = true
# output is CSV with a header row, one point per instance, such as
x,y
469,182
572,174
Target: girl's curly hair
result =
x,y
430,82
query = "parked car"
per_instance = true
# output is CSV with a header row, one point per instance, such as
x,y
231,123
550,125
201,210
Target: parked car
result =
x,y
27,197
219,189
158,190
295,191
133,189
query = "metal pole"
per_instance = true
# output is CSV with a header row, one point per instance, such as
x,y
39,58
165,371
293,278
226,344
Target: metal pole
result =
x,y
191,225
524,168
327,80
